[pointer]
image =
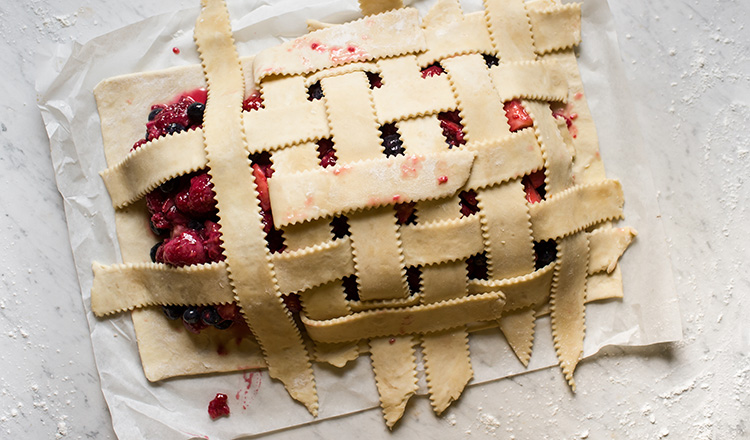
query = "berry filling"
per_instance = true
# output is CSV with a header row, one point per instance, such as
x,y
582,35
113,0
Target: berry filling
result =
x,y
392,144
533,185
183,213
185,113
450,122
326,153
414,279
469,203
350,287
491,60
476,267
406,213
314,92
340,227
292,302
262,170
432,70
517,116
197,318
218,407
253,102
376,81
545,252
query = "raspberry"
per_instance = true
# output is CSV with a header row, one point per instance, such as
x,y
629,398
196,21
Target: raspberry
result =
x,y
253,102
532,196
173,215
405,213
212,241
200,196
432,70
184,249
533,185
172,118
292,302
265,201
517,116
450,122
218,406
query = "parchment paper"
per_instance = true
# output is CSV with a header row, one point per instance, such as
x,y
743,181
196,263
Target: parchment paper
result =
x,y
176,408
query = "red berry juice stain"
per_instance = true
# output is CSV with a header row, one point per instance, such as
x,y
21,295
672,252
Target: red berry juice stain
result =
x,y
176,50
411,166
218,407
221,350
569,116
252,386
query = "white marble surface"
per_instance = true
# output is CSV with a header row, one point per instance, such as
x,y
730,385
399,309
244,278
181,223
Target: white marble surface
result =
x,y
690,74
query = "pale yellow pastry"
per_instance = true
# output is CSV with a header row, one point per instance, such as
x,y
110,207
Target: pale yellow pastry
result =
x,y
456,153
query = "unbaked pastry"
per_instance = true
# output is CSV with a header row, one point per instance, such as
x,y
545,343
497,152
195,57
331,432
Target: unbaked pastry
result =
x,y
473,126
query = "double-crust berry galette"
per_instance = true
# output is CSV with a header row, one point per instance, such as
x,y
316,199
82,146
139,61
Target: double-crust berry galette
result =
x,y
372,188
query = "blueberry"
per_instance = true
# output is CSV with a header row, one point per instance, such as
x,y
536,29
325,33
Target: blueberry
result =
x,y
225,324
210,316
192,315
392,145
173,312
195,112
174,127
168,186
157,231
315,91
154,112
154,250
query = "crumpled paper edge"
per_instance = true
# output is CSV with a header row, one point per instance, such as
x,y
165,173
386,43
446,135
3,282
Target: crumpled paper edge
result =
x,y
177,407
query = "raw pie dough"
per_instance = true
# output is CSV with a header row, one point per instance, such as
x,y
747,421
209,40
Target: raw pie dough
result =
x,y
534,45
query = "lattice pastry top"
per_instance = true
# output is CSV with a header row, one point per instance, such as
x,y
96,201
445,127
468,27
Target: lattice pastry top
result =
x,y
370,186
